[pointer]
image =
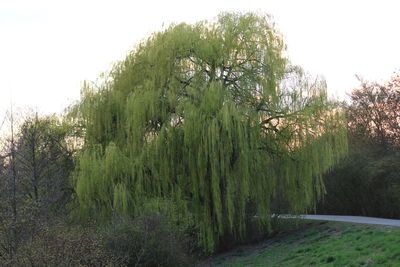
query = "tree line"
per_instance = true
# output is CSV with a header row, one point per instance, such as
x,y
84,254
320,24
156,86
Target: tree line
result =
x,y
367,182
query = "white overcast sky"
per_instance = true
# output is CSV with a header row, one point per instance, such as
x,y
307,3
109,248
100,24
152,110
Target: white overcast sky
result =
x,y
48,48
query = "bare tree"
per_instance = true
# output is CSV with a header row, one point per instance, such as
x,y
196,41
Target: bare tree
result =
x,y
36,162
374,115
44,160
8,172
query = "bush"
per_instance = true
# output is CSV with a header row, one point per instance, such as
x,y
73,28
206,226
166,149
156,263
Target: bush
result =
x,y
15,229
148,240
364,184
56,244
31,239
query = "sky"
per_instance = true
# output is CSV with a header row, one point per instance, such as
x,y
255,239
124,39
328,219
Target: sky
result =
x,y
48,48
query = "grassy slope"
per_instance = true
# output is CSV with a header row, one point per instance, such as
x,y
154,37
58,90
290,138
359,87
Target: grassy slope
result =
x,y
321,244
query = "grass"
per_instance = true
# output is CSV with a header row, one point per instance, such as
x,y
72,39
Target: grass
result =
x,y
320,244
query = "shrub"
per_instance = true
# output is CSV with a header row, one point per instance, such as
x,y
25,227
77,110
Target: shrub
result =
x,y
60,245
364,184
148,240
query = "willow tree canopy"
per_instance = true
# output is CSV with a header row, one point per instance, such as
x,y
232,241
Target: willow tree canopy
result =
x,y
213,117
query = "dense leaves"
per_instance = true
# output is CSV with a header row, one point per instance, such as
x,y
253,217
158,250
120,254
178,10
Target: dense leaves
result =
x,y
209,116
365,184
148,240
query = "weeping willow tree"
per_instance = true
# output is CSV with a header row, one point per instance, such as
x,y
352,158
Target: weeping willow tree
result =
x,y
212,117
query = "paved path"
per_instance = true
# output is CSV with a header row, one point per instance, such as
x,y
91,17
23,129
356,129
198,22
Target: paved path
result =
x,y
352,219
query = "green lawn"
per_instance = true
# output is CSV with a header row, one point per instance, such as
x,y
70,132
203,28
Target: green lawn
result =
x,y
321,244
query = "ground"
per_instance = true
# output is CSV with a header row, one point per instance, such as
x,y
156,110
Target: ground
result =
x,y
320,244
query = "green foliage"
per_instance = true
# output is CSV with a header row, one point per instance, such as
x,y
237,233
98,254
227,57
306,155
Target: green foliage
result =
x,y
106,181
212,117
377,182
148,240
